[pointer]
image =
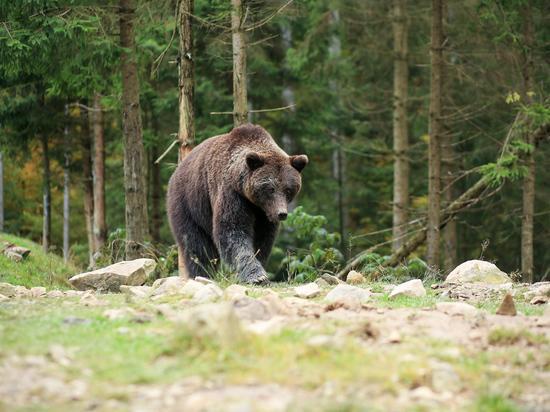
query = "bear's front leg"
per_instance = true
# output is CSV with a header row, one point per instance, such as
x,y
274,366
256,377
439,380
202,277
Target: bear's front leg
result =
x,y
233,230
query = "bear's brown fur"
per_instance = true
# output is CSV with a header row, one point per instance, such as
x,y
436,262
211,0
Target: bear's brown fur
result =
x,y
227,197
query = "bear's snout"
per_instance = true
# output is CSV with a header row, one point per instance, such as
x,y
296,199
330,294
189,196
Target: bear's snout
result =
x,y
282,216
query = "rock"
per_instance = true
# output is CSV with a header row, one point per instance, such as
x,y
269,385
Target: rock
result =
x,y
394,337
507,307
216,321
3,298
269,327
38,291
322,283
355,278
413,288
277,305
89,299
537,289
7,289
234,291
171,285
133,273
252,309
477,271
456,308
307,291
120,313
208,293
539,300
350,303
55,294
22,291
60,355
388,288
16,257
330,279
136,291
344,292
22,252
204,281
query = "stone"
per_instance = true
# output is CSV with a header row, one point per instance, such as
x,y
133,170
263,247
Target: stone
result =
x,y
136,291
16,257
22,291
120,313
191,287
537,289
456,308
330,279
277,305
169,286
38,291
252,309
235,292
322,283
208,293
413,288
345,292
394,337
133,273
477,271
89,299
204,281
539,300
216,321
307,291
7,289
507,307
3,298
355,278
350,303
55,294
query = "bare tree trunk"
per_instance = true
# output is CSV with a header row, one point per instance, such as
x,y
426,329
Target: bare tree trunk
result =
x,y
448,170
96,124
240,100
400,130
134,164
527,261
1,192
88,188
186,131
66,187
47,195
435,131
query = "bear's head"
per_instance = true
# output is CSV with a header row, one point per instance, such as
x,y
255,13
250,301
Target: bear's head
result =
x,y
273,181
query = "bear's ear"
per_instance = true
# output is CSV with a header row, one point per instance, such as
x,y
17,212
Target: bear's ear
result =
x,y
299,162
254,161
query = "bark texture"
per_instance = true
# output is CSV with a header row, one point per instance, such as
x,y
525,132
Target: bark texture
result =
x,y
527,222
96,124
46,195
186,131
435,131
240,99
66,187
134,170
400,130
88,188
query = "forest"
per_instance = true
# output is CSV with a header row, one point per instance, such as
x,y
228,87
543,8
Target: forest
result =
x,y
401,112
411,272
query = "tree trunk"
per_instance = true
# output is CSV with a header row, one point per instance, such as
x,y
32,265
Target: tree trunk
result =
x,y
134,165
435,131
186,131
400,131
156,188
240,100
66,187
47,195
88,188
527,265
96,124
1,192
448,174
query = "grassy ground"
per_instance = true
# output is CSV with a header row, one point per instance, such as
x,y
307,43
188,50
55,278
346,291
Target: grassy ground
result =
x,y
38,269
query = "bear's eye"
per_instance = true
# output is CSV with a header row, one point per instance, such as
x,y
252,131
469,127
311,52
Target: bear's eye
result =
x,y
288,193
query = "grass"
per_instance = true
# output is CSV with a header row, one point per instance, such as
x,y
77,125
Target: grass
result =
x,y
504,336
38,269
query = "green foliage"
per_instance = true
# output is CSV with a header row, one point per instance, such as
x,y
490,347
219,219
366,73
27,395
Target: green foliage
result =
x,y
311,247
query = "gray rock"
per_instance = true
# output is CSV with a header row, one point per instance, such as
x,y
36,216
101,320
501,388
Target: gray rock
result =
x,y
355,278
136,291
38,291
456,308
234,291
7,290
537,289
330,279
322,283
252,309
204,281
307,291
477,271
55,294
133,273
176,285
208,293
3,298
343,292
413,288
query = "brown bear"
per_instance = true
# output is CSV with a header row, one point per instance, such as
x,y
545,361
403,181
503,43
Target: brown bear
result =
x,y
227,197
